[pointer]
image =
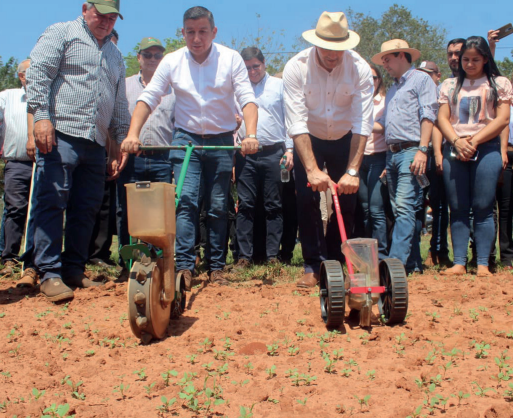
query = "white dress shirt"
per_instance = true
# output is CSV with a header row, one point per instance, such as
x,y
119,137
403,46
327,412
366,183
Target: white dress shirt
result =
x,y
205,93
326,104
271,113
13,124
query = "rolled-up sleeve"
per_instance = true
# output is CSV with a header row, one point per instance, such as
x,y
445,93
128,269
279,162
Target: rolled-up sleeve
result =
x,y
362,115
44,66
428,102
241,84
121,116
296,112
158,86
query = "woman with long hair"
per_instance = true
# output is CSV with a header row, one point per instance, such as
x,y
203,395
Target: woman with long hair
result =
x,y
474,109
371,193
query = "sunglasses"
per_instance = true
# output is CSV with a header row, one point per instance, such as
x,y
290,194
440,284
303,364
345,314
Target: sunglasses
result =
x,y
253,67
149,55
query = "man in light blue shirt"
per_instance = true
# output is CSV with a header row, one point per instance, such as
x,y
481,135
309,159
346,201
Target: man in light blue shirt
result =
x,y
259,174
410,112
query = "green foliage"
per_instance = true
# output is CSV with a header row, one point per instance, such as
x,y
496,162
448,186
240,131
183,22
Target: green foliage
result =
x,y
9,74
506,67
57,411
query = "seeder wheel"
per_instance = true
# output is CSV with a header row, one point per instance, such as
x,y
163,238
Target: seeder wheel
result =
x,y
332,293
393,303
148,315
178,304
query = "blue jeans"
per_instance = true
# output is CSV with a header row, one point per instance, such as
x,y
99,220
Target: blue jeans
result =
x,y
472,185
315,246
69,178
259,174
156,168
214,167
2,227
372,195
406,198
440,210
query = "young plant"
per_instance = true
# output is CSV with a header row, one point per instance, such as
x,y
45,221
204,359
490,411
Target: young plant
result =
x,y
363,401
371,374
272,349
141,374
56,411
166,404
37,394
149,388
462,396
480,391
74,387
167,376
271,371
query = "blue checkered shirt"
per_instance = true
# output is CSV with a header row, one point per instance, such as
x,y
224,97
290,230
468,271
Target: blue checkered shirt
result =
x,y
77,85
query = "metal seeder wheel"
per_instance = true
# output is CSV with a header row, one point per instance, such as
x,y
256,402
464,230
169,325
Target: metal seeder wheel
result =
x,y
179,302
148,314
393,303
332,293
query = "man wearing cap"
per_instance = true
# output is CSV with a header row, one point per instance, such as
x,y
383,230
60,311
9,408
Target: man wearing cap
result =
x,y
328,111
157,131
76,94
439,247
207,79
410,112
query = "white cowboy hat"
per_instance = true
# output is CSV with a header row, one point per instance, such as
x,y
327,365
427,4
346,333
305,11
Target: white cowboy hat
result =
x,y
395,45
332,33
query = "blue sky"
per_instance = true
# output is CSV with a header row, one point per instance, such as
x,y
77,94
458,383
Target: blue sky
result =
x,y
22,23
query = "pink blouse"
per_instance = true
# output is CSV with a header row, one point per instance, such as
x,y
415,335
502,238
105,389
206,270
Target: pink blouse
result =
x,y
376,142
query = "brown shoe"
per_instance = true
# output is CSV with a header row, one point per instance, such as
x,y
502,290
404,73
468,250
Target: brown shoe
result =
x,y
217,277
28,279
456,270
187,279
308,280
55,290
8,269
431,260
81,281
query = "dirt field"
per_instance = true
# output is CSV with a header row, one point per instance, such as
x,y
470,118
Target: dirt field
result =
x,y
257,348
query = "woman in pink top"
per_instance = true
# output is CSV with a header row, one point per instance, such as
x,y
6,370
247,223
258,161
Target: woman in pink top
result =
x,y
474,109
371,192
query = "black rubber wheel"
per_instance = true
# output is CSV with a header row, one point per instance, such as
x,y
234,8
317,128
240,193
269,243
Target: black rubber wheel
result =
x,y
332,293
180,300
393,303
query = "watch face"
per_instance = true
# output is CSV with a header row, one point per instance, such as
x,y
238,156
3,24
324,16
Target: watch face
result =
x,y
352,172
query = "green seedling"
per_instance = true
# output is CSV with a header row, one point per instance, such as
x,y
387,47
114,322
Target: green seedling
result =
x,y
166,404
446,367
330,363
2,314
301,321
364,337
89,353
293,351
430,358
110,343
222,354
222,369
480,391
272,349
249,368
37,394
302,401
167,376
122,389
338,354
246,413
149,388
192,358
371,374
433,315
241,383
227,343
462,396
15,352
508,393
474,315
300,336
271,371
68,325
57,411
457,310
416,412
74,387
363,401
206,345
346,372
141,374
482,349
437,380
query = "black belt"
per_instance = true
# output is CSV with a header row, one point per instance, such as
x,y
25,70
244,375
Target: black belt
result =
x,y
208,136
402,145
273,146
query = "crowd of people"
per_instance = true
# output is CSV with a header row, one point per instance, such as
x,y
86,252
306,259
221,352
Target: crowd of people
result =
x,y
327,125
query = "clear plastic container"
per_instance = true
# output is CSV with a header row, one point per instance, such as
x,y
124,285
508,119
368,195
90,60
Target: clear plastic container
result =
x,y
363,255
151,212
285,174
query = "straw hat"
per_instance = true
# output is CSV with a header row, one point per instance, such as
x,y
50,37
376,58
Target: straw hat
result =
x,y
395,45
332,33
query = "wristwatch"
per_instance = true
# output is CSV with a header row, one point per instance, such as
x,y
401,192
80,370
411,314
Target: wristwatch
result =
x,y
251,136
352,172
423,149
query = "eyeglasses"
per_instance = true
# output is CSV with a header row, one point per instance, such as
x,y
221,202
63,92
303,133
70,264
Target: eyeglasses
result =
x,y
149,55
253,67
375,77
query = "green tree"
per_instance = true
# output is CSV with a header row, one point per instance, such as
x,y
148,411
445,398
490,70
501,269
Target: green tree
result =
x,y
399,23
9,74
506,67
171,45
271,45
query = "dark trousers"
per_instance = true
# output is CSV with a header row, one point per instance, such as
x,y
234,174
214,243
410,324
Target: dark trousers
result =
x,y
18,177
259,174
289,236
317,248
105,225
70,178
505,203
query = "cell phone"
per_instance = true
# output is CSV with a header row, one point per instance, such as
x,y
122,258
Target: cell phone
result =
x,y
383,180
504,31
454,154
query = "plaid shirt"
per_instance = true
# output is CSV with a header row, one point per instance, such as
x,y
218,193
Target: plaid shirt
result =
x,y
77,85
